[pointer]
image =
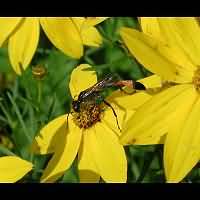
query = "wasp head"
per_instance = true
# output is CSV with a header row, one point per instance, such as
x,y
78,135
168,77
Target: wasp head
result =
x,y
76,105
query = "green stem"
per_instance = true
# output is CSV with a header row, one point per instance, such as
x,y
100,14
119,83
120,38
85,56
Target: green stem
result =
x,y
39,91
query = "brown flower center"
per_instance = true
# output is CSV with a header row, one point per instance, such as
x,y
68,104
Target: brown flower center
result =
x,y
88,115
196,79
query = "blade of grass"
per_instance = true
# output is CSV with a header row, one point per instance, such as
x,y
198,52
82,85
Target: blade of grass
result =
x,y
19,116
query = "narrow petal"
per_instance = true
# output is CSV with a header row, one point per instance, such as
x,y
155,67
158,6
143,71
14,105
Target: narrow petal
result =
x,y
111,120
81,79
64,34
152,81
153,117
181,151
89,34
145,49
128,102
8,24
23,44
66,149
150,26
109,155
13,168
184,32
88,172
92,21
91,37
45,141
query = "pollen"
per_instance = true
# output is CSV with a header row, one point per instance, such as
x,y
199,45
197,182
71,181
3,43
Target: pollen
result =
x,y
196,80
88,116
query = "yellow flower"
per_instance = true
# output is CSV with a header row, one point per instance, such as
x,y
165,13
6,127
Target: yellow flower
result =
x,y
68,34
13,168
98,149
170,48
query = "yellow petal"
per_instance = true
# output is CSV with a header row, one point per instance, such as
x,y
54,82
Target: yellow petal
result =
x,y
145,49
64,34
181,151
150,26
128,102
88,172
152,81
66,149
153,117
184,32
108,154
45,141
23,43
91,37
13,168
92,21
8,24
110,120
81,79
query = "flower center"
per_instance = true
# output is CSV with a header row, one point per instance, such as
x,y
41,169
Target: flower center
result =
x,y
88,115
196,79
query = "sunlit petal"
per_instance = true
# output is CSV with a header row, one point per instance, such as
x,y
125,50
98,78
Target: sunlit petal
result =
x,y
81,79
183,32
66,149
145,49
8,24
109,155
91,37
13,168
23,43
64,34
157,112
45,141
181,151
88,172
92,21
150,26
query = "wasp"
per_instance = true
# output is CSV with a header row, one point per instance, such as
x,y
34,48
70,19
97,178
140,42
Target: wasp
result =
x,y
92,96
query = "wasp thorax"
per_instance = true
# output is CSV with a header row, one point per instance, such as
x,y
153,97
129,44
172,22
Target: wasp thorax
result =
x,y
196,79
87,116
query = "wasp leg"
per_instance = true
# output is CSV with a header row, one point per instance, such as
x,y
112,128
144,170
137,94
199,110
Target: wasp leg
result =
x,y
115,114
67,120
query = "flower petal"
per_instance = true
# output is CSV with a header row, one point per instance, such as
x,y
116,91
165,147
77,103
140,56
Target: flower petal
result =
x,y
181,151
88,172
81,80
153,117
89,34
13,168
111,120
108,154
64,34
145,49
66,149
45,141
92,21
8,24
150,26
91,37
152,81
184,32
23,43
128,102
